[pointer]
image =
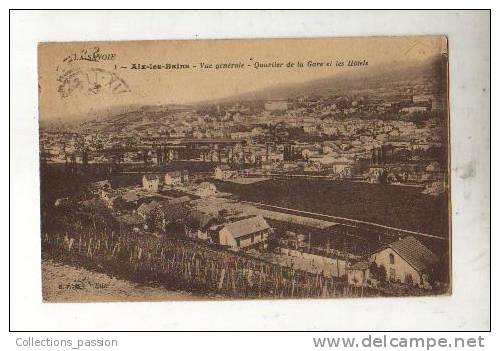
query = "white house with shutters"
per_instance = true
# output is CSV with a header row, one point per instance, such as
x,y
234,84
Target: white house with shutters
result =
x,y
407,261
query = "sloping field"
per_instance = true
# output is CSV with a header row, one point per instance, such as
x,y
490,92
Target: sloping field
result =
x,y
390,205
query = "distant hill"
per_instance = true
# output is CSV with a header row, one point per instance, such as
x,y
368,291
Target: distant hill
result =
x,y
346,83
131,117
116,117
343,83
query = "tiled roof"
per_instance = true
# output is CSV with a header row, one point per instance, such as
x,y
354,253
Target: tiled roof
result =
x,y
151,177
130,196
291,218
414,252
201,218
247,226
179,200
131,219
174,174
145,208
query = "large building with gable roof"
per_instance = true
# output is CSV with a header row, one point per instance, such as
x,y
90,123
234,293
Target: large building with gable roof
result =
x,y
407,261
246,233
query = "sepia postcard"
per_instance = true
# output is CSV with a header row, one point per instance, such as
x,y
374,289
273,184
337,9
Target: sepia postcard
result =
x,y
244,169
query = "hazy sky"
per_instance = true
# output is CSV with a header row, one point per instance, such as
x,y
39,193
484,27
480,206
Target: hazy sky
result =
x,y
71,88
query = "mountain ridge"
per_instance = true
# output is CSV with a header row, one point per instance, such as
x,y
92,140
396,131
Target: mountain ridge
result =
x,y
343,83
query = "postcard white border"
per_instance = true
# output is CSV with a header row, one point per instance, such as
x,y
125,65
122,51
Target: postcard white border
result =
x,y
468,307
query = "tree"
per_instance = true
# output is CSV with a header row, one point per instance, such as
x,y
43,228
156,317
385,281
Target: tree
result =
x,y
156,219
175,213
378,272
409,279
382,274
374,270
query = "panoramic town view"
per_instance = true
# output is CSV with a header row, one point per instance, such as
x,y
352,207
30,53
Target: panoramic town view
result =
x,y
334,188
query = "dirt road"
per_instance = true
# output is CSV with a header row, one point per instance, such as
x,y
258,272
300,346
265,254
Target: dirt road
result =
x,y
63,283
